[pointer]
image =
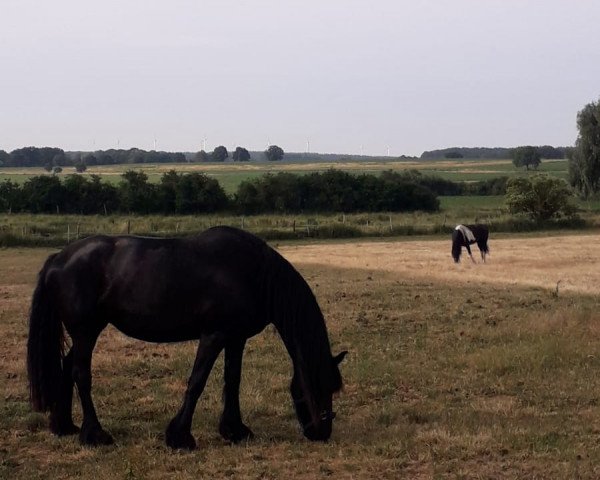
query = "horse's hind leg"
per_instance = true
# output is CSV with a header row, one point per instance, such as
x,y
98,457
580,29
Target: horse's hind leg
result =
x,y
91,431
61,417
178,434
231,426
483,249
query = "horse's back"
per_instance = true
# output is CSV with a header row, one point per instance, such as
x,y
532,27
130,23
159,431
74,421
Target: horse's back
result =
x,y
165,289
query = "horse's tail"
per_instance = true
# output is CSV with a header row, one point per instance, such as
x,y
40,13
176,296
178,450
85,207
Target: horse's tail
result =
x,y
483,241
45,345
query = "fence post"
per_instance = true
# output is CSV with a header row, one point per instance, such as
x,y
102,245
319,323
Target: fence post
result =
x,y
68,233
77,237
294,226
391,226
128,227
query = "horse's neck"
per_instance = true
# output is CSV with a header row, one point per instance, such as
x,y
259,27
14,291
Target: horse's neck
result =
x,y
467,233
306,341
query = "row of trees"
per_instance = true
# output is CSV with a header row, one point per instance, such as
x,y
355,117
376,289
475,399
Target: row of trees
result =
x,y
220,154
48,158
545,151
53,158
197,193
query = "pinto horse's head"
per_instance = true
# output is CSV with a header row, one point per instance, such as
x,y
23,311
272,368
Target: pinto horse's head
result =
x,y
313,404
456,250
456,245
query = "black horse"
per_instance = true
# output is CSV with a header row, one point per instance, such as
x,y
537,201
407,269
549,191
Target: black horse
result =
x,y
221,287
465,235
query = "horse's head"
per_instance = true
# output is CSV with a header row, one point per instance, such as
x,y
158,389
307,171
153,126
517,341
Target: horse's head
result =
x,y
456,253
313,404
456,246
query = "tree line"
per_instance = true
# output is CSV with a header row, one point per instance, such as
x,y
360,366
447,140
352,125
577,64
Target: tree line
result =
x,y
494,153
193,193
54,159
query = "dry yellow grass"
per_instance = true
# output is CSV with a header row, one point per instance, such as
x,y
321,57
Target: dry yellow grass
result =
x,y
467,371
573,260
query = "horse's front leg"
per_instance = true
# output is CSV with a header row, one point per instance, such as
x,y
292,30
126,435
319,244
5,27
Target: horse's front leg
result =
x,y
231,426
178,434
470,254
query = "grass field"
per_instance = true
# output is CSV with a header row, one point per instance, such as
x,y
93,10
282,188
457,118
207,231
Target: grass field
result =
x,y
468,371
230,175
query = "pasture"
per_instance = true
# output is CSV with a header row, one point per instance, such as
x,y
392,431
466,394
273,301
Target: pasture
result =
x,y
230,174
454,371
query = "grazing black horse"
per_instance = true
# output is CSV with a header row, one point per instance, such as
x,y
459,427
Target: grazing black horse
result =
x,y
221,287
463,238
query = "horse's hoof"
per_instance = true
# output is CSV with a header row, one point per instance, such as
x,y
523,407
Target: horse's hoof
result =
x,y
235,433
63,429
179,440
95,436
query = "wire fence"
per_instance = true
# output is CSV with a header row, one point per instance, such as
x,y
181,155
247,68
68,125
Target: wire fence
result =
x,y
62,230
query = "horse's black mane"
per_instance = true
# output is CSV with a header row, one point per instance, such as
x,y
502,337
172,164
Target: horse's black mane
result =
x,y
293,309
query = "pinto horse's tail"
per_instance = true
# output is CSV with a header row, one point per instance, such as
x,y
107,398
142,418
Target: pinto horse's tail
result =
x,y
45,345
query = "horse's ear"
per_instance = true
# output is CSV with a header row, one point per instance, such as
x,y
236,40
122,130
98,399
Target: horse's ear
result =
x,y
340,356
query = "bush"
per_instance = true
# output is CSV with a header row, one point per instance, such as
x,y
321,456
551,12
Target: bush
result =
x,y
540,197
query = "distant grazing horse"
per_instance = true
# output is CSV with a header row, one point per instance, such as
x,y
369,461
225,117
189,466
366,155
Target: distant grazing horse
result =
x,y
221,287
465,235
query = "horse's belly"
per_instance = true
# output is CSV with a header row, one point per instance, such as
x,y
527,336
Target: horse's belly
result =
x,y
156,329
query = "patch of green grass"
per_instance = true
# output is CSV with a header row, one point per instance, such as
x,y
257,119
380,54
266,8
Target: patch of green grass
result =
x,y
230,175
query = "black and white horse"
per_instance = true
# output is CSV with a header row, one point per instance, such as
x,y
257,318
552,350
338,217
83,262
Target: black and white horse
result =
x,y
466,235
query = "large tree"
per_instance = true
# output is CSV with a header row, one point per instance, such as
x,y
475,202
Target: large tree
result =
x,y
241,155
202,157
527,156
274,153
135,193
219,154
584,159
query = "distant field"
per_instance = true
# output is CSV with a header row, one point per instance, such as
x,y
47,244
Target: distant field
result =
x,y
230,175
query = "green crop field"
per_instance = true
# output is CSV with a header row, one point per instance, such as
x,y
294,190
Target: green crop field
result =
x,y
230,175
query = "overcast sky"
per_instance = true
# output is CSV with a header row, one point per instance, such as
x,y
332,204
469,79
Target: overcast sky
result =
x,y
348,76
